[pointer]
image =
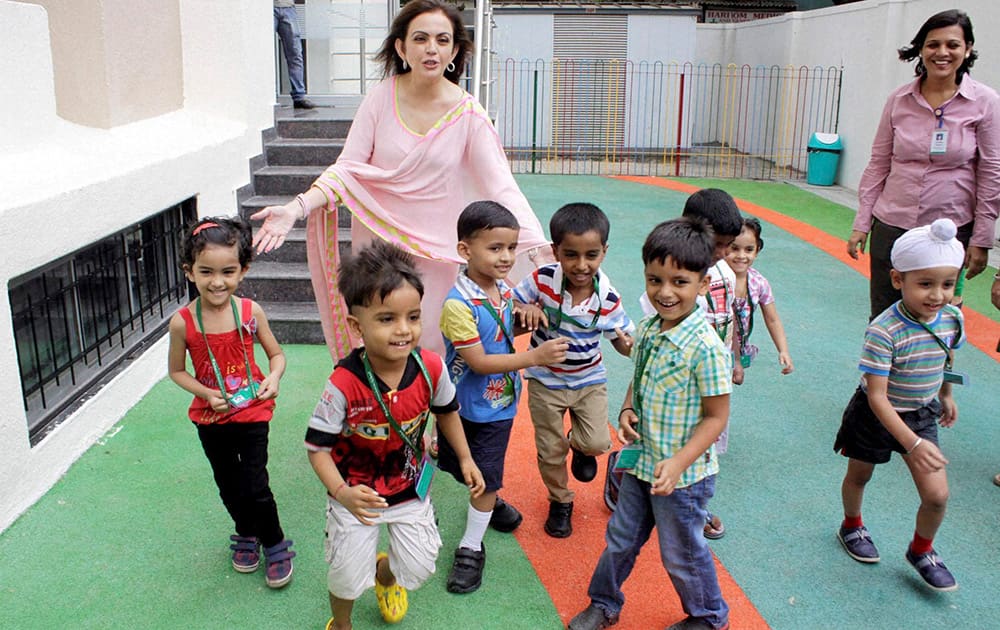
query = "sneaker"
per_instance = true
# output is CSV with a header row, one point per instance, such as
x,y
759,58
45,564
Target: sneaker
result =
x,y
303,103
279,564
858,544
583,466
246,553
466,573
392,600
558,524
931,568
505,517
714,529
695,623
592,618
612,481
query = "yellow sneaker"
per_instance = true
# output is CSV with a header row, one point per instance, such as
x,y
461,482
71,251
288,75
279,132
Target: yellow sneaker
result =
x,y
392,600
329,624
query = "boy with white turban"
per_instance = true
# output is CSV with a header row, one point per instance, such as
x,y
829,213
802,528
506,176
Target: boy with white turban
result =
x,y
904,394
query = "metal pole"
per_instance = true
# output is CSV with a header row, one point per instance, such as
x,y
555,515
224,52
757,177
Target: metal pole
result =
x,y
477,59
534,121
680,129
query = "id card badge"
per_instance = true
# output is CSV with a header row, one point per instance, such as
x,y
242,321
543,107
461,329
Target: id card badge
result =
x,y
956,378
939,142
745,360
628,457
424,478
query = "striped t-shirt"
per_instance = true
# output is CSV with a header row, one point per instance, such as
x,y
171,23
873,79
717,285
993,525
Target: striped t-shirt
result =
x,y
906,352
582,324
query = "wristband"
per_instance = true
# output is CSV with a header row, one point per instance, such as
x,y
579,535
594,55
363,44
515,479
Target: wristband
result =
x,y
919,441
624,409
303,213
339,488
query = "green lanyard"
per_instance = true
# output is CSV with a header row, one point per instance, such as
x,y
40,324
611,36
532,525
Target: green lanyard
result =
x,y
554,322
499,321
373,384
948,350
508,380
642,358
211,357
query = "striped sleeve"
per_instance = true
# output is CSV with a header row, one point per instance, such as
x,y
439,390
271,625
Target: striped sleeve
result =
x,y
876,353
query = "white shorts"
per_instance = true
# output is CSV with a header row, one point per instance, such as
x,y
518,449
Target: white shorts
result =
x,y
351,547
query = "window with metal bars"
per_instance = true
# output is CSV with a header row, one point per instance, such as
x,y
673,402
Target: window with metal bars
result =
x,y
78,320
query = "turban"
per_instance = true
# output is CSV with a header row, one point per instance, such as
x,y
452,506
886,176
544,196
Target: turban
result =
x,y
928,246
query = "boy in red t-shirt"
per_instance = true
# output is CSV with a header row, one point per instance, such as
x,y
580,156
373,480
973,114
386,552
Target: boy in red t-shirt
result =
x,y
365,439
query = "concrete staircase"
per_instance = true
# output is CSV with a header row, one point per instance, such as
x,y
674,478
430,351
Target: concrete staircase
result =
x,y
296,151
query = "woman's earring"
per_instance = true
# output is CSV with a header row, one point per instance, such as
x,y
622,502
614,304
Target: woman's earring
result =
x,y
450,67
404,64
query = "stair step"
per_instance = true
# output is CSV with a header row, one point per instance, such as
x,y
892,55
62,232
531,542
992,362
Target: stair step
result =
x,y
303,151
278,282
259,202
314,127
285,180
294,322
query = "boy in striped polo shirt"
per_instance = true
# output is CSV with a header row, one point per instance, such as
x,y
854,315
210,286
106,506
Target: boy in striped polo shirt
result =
x,y
905,392
576,302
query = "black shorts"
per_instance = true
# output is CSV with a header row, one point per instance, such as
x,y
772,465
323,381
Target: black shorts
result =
x,y
863,437
488,443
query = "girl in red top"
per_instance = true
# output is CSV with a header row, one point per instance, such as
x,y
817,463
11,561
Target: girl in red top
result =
x,y
233,400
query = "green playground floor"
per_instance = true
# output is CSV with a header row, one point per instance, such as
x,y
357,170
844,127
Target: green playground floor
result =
x,y
134,535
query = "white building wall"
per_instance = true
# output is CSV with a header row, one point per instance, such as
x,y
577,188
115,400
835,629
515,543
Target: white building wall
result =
x,y
66,185
863,38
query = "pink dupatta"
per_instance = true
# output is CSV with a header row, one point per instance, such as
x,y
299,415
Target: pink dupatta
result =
x,y
415,205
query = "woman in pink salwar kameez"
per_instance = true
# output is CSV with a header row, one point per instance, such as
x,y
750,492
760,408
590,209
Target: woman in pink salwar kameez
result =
x,y
419,150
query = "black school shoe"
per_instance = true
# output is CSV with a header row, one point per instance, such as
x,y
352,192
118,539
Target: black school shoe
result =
x,y
558,524
583,466
505,517
466,573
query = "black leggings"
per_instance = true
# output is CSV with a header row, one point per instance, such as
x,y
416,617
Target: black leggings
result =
x,y
238,455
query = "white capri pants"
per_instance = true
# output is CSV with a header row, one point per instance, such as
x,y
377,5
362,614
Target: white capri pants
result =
x,y
351,547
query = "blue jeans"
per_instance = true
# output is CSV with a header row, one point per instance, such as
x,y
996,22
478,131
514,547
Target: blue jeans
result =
x,y
287,26
680,520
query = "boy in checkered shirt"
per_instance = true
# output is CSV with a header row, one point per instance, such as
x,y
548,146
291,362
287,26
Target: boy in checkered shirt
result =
x,y
675,408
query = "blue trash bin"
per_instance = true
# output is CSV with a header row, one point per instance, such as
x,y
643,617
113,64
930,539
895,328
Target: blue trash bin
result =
x,y
824,156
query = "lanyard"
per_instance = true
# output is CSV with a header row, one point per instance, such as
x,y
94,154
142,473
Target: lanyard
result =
x,y
211,357
508,380
373,384
643,353
499,321
739,323
948,350
554,322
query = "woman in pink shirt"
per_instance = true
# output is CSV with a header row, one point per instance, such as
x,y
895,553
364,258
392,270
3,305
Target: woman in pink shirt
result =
x,y
419,150
936,154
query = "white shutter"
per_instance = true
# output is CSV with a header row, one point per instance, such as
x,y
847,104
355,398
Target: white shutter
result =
x,y
588,109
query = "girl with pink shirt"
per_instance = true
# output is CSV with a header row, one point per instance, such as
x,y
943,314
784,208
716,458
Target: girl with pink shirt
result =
x,y
754,291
